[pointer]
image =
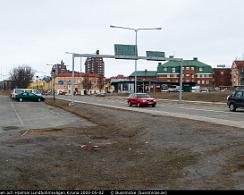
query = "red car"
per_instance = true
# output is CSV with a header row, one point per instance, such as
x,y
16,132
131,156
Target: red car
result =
x,y
141,99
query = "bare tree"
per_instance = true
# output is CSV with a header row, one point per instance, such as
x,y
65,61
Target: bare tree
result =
x,y
21,76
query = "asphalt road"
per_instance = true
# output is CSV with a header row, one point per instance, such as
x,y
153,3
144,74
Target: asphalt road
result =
x,y
217,113
34,115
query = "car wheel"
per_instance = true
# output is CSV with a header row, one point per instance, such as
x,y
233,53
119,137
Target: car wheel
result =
x,y
232,107
20,100
153,105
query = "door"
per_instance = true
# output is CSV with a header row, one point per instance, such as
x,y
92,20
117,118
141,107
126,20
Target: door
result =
x,y
239,98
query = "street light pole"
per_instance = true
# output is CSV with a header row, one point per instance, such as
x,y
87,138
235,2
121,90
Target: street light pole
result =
x,y
72,81
181,80
136,31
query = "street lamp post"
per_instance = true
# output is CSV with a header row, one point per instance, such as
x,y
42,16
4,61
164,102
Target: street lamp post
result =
x,y
181,80
136,31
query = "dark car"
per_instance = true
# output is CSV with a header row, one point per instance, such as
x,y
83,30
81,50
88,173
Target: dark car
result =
x,y
28,96
236,100
141,99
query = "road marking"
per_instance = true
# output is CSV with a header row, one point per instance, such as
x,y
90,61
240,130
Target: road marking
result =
x,y
18,116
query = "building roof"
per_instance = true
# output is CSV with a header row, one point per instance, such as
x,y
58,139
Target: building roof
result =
x,y
239,63
186,63
144,73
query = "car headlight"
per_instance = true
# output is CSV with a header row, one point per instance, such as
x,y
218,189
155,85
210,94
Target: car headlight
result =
x,y
144,100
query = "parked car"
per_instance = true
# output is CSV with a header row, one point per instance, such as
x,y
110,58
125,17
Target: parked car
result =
x,y
47,93
141,99
204,90
18,91
173,88
236,100
100,94
28,96
62,93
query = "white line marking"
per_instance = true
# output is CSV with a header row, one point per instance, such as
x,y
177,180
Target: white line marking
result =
x,y
18,116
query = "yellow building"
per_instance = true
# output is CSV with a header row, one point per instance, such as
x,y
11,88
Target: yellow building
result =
x,y
41,85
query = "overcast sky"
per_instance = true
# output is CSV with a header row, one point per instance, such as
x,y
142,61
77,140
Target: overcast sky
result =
x,y
39,32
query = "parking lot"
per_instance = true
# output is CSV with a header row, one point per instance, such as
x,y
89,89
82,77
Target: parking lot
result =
x,y
34,115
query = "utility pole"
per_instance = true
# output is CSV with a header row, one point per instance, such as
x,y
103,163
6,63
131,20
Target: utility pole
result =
x,y
53,79
181,80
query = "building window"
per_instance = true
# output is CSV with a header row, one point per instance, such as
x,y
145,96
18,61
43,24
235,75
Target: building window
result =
x,y
198,82
207,82
165,69
187,68
192,68
222,73
200,69
203,82
173,70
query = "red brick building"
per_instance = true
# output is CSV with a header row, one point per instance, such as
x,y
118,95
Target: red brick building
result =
x,y
222,77
238,73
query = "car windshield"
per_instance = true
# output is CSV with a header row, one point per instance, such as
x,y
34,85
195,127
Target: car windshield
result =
x,y
143,96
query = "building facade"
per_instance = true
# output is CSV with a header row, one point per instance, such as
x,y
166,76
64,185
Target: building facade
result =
x,y
95,65
58,68
222,77
6,85
84,83
194,72
237,72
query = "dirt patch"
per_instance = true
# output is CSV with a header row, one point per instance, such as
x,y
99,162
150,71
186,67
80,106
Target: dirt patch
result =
x,y
5,93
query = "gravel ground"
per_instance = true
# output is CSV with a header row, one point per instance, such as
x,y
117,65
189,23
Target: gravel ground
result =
x,y
125,150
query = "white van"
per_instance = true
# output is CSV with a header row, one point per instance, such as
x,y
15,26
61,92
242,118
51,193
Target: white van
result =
x,y
173,88
196,89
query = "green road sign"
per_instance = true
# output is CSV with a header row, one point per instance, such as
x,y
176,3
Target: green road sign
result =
x,y
155,54
125,51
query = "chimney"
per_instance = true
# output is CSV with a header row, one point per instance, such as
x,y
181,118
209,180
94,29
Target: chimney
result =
x,y
195,59
97,52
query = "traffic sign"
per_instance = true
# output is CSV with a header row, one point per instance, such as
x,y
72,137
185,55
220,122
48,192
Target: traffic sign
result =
x,y
125,51
155,54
